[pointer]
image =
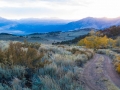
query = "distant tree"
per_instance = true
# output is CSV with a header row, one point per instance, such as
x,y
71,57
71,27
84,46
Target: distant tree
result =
x,y
90,42
92,32
103,41
111,42
99,33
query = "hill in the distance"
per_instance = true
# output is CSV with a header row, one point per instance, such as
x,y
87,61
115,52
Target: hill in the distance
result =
x,y
112,32
34,25
51,37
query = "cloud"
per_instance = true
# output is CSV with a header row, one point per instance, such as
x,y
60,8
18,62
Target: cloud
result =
x,y
40,3
40,8
33,0
65,9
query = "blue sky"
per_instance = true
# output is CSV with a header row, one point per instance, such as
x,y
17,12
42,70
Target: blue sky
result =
x,y
62,9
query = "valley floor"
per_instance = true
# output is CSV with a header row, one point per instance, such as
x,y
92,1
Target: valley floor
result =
x,y
99,74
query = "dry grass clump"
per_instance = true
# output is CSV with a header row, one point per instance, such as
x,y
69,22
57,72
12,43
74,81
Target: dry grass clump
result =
x,y
84,53
31,45
111,86
4,44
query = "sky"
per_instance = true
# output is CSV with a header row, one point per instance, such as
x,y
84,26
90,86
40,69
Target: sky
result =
x,y
60,9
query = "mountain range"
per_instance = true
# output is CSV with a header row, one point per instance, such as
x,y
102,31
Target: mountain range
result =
x,y
35,25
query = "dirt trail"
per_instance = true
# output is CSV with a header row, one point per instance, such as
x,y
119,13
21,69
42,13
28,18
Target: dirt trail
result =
x,y
99,74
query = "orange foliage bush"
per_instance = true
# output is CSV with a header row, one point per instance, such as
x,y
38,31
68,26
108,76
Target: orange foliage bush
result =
x,y
118,68
21,54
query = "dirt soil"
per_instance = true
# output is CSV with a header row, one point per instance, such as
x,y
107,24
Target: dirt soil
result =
x,y
99,74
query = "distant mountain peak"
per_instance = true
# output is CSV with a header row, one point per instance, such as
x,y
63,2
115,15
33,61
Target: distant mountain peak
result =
x,y
36,25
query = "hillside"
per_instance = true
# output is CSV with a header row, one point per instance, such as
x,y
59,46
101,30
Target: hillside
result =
x,y
49,38
90,22
112,31
59,37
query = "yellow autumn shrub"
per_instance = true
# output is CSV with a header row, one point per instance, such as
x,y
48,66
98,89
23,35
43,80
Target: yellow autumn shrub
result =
x,y
96,42
118,68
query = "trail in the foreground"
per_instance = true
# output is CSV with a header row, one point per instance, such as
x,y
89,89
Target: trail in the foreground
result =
x,y
99,74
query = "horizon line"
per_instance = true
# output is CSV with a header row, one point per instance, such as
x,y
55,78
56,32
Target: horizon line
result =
x,y
56,18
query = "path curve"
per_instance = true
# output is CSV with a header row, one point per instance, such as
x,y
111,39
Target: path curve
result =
x,y
99,73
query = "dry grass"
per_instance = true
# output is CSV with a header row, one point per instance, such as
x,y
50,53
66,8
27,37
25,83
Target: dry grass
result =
x,y
111,86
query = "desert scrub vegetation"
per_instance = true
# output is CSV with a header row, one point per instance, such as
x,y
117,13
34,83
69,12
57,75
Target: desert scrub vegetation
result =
x,y
33,66
114,55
